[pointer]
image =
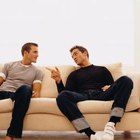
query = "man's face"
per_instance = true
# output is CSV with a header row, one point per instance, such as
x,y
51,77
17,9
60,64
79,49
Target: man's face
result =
x,y
32,55
78,57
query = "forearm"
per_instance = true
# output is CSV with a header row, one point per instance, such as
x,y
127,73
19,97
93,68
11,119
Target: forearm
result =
x,y
1,81
36,90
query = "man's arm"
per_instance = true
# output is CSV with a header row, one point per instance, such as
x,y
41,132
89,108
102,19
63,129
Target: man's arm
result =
x,y
4,72
108,79
55,74
60,86
36,90
36,87
1,81
2,78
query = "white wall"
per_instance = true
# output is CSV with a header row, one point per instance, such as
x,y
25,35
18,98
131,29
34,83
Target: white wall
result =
x,y
105,27
137,33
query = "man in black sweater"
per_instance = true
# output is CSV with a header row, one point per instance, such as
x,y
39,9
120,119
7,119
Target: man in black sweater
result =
x,y
91,82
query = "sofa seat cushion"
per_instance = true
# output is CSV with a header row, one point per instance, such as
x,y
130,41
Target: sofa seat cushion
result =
x,y
44,105
49,106
104,107
6,105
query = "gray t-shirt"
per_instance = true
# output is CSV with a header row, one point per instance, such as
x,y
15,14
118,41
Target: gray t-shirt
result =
x,y
16,74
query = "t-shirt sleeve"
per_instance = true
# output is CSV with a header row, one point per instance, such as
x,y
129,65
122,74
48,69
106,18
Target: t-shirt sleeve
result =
x,y
4,71
38,77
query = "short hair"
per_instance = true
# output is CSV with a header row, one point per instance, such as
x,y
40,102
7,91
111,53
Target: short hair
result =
x,y
80,48
27,47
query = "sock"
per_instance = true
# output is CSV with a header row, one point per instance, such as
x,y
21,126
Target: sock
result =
x,y
115,119
88,131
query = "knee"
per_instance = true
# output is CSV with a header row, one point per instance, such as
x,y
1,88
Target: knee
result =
x,y
25,91
126,80
25,87
62,95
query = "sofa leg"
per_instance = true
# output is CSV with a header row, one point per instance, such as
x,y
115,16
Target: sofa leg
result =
x,y
127,134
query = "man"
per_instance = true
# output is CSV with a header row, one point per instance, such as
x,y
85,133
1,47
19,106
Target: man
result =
x,y
91,82
20,80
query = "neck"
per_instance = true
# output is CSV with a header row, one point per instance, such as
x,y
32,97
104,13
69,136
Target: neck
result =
x,y
25,62
86,64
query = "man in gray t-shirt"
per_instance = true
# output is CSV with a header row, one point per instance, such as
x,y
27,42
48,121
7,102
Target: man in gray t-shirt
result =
x,y
20,80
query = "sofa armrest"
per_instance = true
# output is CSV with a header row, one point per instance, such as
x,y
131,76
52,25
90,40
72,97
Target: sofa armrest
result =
x,y
135,76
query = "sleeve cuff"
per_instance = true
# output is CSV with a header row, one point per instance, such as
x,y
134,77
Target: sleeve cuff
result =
x,y
36,81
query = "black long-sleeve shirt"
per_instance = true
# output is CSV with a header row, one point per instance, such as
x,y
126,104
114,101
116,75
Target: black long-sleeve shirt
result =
x,y
86,78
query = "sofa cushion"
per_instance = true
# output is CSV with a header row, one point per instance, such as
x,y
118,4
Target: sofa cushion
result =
x,y
105,106
44,105
6,105
49,106
1,66
49,88
115,69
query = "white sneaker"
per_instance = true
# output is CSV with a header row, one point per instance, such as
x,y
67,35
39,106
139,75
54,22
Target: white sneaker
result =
x,y
109,131
97,136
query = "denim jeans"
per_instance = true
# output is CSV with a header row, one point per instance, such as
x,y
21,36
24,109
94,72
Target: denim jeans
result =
x,y
21,98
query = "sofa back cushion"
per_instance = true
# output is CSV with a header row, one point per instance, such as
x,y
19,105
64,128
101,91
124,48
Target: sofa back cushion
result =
x,y
49,88
1,66
115,69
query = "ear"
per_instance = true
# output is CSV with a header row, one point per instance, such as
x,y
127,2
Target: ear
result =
x,y
25,52
85,53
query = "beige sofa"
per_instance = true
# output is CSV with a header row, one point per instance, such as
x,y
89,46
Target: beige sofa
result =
x,y
43,113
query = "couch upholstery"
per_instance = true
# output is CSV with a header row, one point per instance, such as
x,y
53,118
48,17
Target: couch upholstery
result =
x,y
43,113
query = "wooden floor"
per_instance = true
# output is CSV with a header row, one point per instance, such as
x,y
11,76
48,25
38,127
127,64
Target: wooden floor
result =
x,y
55,135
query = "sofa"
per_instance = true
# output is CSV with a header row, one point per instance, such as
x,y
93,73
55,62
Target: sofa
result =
x,y
44,115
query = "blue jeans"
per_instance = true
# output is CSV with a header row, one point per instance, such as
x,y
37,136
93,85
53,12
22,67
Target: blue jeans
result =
x,y
22,98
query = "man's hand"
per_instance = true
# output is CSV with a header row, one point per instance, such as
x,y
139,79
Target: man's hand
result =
x,y
105,87
36,90
55,74
34,94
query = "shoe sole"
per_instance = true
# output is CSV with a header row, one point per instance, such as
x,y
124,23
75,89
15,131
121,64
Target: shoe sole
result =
x,y
93,138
